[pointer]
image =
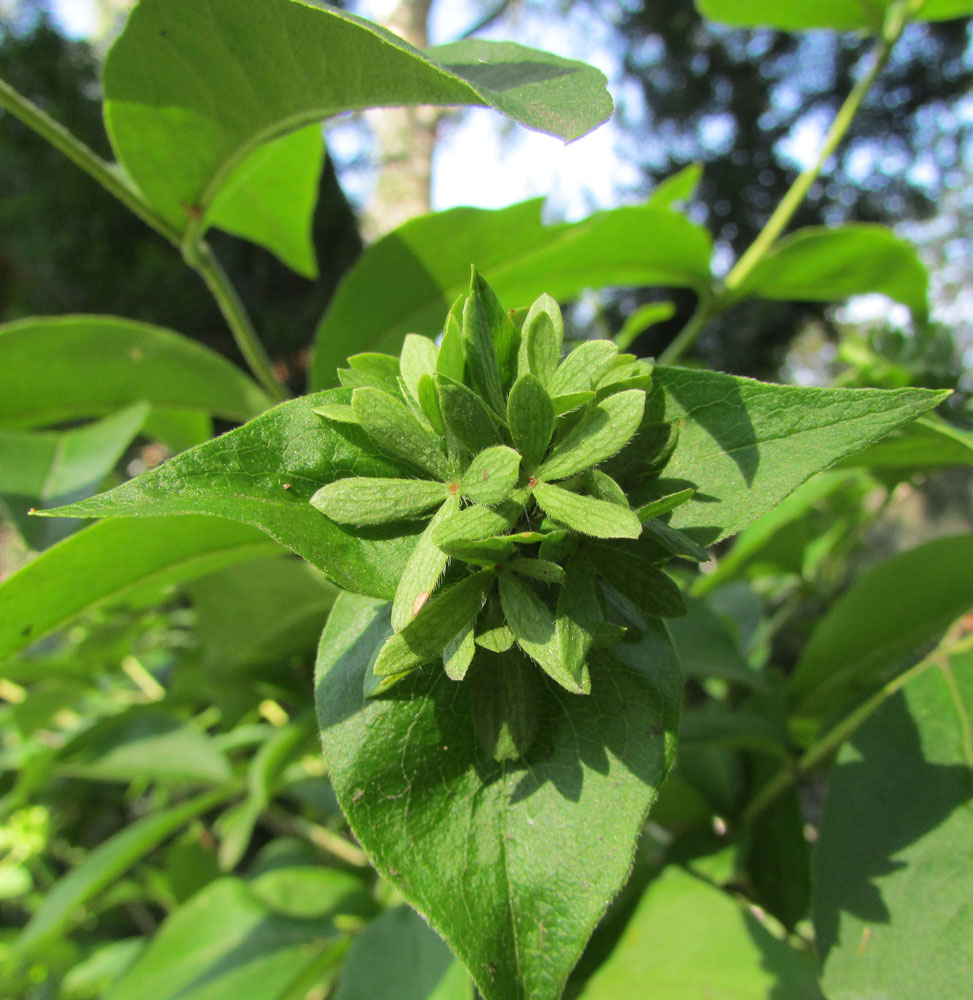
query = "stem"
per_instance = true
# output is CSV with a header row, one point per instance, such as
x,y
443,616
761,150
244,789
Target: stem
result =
x,y
832,740
198,256
705,309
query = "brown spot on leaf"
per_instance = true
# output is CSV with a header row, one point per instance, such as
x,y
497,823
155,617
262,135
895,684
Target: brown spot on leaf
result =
x,y
454,487
419,601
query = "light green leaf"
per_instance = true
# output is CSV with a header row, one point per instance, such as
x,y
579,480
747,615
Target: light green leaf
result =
x,y
928,442
474,523
423,569
105,864
262,70
571,401
583,367
602,487
269,197
541,340
504,333
70,367
641,320
827,265
467,418
893,883
889,611
795,15
264,474
688,940
107,561
399,956
586,514
603,430
656,508
436,624
516,861
226,942
44,465
746,445
534,627
373,500
392,427
538,569
458,654
484,551
680,186
530,414
491,476
418,358
406,281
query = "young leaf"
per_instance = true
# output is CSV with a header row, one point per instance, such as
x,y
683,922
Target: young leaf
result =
x,y
467,418
475,523
538,569
503,846
541,340
376,501
492,475
656,508
583,367
458,653
530,414
505,704
647,587
393,428
571,401
429,401
603,487
437,623
422,571
505,336
418,359
533,625
451,360
481,358
674,542
586,514
484,551
339,413
578,614
603,430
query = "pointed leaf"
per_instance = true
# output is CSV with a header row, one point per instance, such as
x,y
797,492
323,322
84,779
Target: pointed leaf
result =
x,y
513,864
418,358
674,542
541,340
375,501
429,402
458,654
583,367
530,414
629,573
578,614
393,428
665,504
538,569
586,514
467,417
422,571
484,551
474,523
481,358
506,698
491,476
604,430
602,487
503,333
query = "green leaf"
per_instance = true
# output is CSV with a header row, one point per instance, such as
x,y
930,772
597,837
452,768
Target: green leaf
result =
x,y
889,611
586,514
746,445
503,332
578,614
530,414
226,942
541,340
468,420
437,622
641,320
727,952
44,465
491,476
108,561
481,359
604,430
534,627
484,551
505,701
928,442
892,872
602,487
665,504
629,573
795,15
458,654
264,474
418,358
371,369
538,569
374,500
571,401
475,523
269,197
105,864
513,864
69,367
423,570
581,370
398,955
406,281
680,186
181,137
672,541
826,265
393,428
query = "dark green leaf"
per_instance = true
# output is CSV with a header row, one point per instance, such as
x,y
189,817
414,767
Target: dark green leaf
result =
x,y
530,414
492,475
376,500
578,614
665,504
393,428
512,863
468,420
629,573
504,334
505,702
674,542
538,569
481,358
603,487
264,474
586,514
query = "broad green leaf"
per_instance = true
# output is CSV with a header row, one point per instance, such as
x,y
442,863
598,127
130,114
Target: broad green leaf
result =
x,y
105,864
436,623
512,863
583,367
226,942
423,569
108,561
372,369
393,428
586,514
506,695
264,474
262,70
269,197
578,614
418,358
361,500
541,340
843,15
530,414
826,265
889,611
44,465
107,963
688,940
928,442
604,430
468,420
83,366
893,864
399,956
534,626
491,476
296,887
746,445
144,744
406,281
708,648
